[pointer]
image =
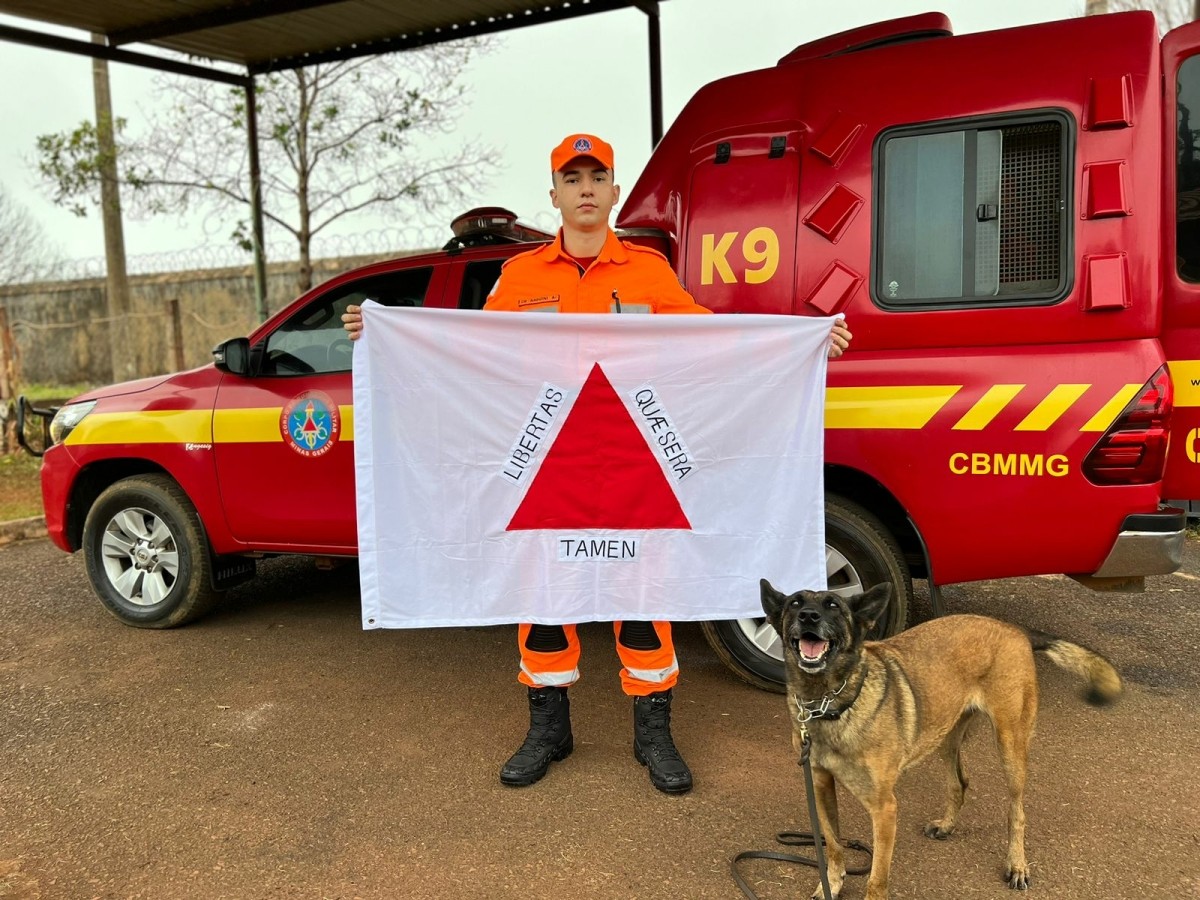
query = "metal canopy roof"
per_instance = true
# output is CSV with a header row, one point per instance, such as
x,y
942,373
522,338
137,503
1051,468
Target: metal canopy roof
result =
x,y
272,35
269,35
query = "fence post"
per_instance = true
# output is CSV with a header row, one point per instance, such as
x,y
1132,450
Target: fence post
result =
x,y
176,319
8,385
7,358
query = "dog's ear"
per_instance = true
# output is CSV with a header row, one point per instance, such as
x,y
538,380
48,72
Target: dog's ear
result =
x,y
773,603
869,607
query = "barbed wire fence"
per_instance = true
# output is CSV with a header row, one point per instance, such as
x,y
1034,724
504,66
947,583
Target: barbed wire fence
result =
x,y
395,239
171,319
228,255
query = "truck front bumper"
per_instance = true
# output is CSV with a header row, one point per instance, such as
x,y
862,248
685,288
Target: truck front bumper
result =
x,y
59,471
1149,544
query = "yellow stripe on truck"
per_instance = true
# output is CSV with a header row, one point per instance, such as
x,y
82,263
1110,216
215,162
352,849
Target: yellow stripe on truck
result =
x,y
191,426
893,406
1057,402
261,426
247,426
166,426
1110,410
987,407
913,406
1185,377
908,407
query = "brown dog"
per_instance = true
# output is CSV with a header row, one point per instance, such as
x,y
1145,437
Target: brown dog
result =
x,y
873,708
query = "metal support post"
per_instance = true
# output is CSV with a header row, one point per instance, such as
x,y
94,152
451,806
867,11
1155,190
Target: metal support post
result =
x,y
256,213
650,8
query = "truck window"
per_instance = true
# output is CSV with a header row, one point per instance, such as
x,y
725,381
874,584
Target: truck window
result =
x,y
478,281
972,216
1187,171
313,342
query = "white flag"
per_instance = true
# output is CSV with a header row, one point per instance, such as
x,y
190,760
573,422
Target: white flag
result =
x,y
514,467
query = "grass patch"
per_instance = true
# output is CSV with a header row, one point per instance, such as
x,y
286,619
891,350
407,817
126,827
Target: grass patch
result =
x,y
37,393
20,486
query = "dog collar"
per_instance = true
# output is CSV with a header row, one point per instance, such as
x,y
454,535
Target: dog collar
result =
x,y
821,708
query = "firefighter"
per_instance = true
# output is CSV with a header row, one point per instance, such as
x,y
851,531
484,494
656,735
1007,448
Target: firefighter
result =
x,y
588,269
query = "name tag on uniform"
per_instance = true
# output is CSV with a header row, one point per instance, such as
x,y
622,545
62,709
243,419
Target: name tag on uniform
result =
x,y
537,301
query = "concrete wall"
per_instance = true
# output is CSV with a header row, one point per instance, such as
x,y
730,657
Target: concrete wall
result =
x,y
61,334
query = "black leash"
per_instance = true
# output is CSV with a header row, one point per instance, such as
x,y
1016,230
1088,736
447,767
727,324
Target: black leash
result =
x,y
801,838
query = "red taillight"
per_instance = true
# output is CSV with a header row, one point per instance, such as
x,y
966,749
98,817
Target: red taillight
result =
x,y
1134,448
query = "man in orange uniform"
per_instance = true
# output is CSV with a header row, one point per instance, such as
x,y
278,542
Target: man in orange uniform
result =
x,y
588,269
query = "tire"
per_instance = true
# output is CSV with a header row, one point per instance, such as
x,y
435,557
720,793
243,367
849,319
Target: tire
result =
x,y
146,554
859,553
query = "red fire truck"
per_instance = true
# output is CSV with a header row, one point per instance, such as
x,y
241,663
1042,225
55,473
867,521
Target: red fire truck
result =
x,y
1009,220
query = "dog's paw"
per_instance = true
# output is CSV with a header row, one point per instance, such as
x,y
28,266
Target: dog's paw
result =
x,y
837,880
939,830
1018,878
834,885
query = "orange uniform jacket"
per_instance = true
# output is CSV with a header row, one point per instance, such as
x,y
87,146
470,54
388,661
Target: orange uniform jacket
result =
x,y
548,280
623,278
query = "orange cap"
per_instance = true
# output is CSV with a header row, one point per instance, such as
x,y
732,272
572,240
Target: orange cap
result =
x,y
576,145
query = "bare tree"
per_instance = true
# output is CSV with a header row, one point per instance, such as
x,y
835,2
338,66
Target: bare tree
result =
x,y
338,139
26,253
1169,13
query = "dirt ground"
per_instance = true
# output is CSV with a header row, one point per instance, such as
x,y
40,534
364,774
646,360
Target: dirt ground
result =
x,y
20,486
276,750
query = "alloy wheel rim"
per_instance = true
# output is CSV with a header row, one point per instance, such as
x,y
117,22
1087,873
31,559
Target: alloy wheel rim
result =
x,y
140,556
843,579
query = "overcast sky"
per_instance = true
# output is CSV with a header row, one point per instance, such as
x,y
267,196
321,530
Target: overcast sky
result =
x,y
539,84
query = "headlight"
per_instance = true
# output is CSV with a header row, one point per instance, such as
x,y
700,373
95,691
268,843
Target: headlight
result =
x,y
67,418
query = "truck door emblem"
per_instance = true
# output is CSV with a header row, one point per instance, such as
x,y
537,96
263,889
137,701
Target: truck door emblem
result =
x,y
310,423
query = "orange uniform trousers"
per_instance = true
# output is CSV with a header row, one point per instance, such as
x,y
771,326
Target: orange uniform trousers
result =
x,y
623,278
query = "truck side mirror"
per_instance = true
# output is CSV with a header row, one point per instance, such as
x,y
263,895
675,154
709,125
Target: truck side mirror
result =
x,y
233,356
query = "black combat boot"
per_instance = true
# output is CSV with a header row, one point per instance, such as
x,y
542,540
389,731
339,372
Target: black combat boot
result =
x,y
549,738
653,746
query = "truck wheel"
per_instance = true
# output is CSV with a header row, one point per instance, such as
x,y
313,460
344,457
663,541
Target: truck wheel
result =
x,y
859,553
146,554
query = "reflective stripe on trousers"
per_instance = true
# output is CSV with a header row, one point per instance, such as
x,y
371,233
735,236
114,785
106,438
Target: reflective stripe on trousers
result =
x,y
644,671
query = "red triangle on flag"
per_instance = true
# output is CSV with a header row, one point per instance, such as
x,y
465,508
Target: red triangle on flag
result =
x,y
599,472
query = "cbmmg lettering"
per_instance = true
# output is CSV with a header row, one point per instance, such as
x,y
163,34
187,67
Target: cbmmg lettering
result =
x,y
1025,465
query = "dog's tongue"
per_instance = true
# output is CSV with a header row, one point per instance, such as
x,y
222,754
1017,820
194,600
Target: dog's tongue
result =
x,y
813,649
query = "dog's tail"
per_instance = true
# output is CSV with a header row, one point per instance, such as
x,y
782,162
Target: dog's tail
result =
x,y
1103,682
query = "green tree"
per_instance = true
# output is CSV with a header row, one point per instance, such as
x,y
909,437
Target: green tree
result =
x,y
337,139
